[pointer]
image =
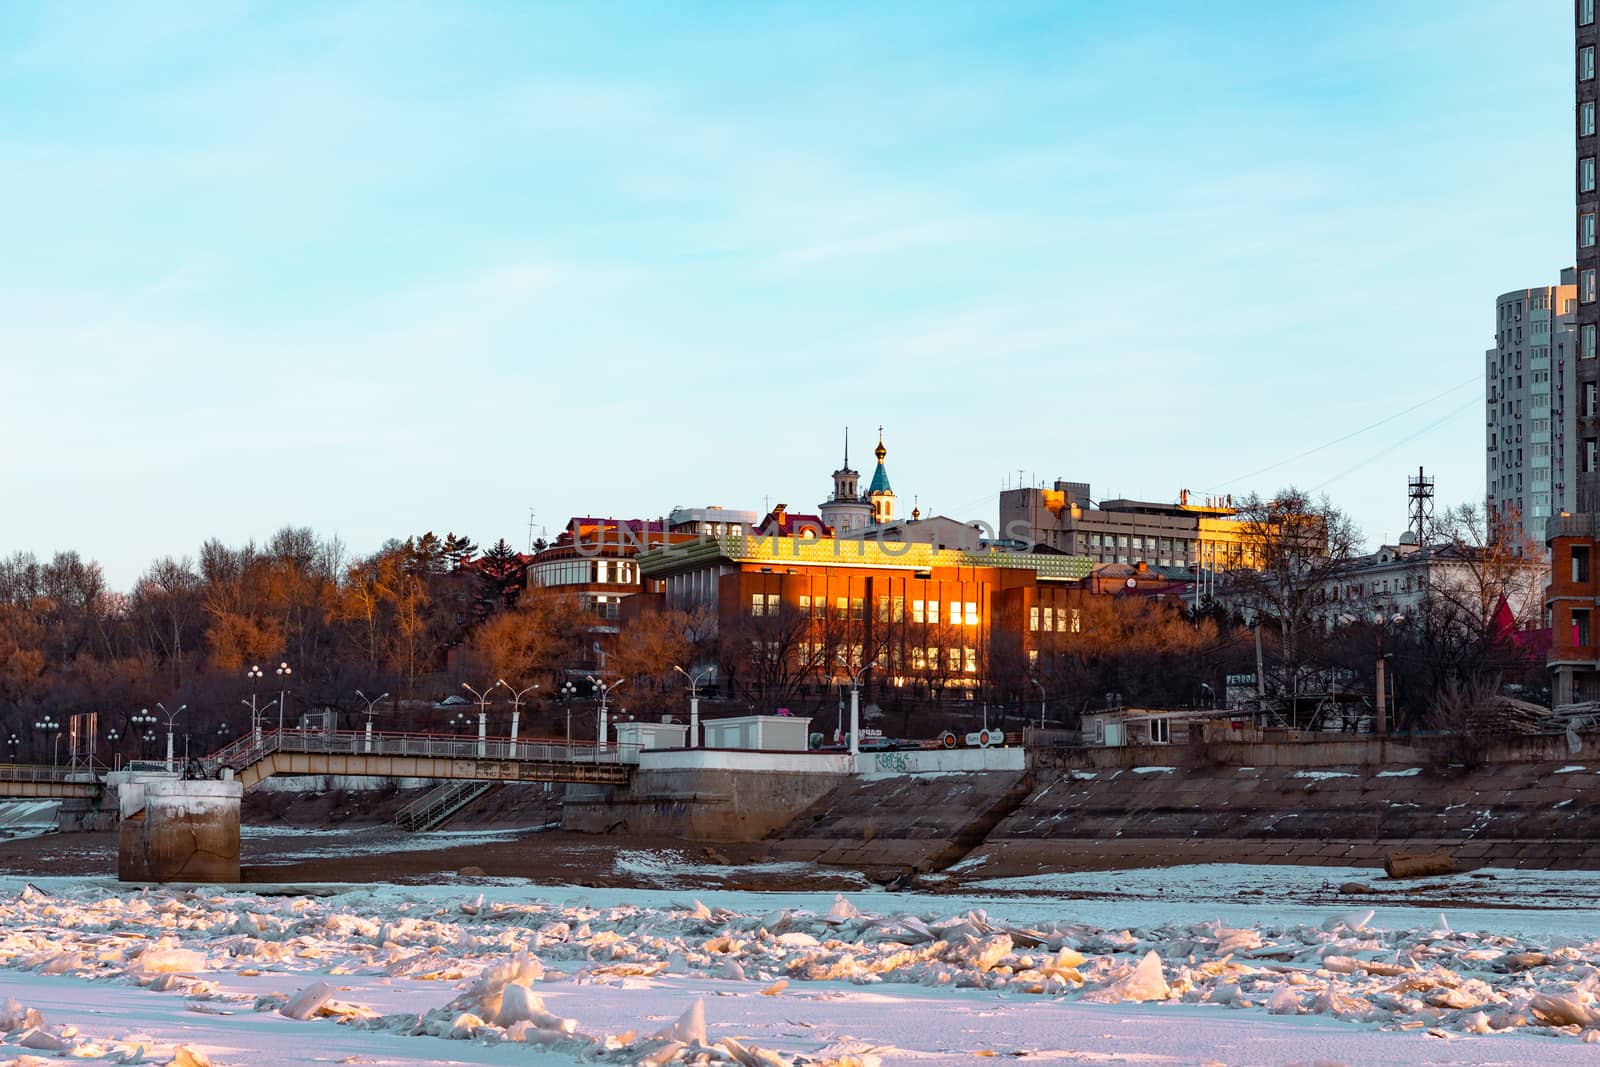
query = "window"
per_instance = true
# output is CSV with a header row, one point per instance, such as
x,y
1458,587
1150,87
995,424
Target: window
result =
x,y
971,660
1580,627
858,609
1586,63
805,606
841,607
1580,563
1586,12
972,612
955,660
1049,620
1586,229
1077,621
899,612
883,609
1160,732
1590,408
1586,174
763,604
1589,446
1586,339
1033,657
1033,618
933,613
1586,119
919,658
916,611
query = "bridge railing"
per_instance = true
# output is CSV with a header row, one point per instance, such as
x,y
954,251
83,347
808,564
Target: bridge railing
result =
x,y
254,747
30,772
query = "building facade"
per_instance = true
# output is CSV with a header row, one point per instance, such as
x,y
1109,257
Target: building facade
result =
x,y
802,614
1532,402
1572,596
1065,519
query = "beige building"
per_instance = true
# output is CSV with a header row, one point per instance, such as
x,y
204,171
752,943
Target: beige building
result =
x,y
1532,402
1065,519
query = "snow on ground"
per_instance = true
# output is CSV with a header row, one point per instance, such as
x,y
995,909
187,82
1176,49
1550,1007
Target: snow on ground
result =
x,y
561,975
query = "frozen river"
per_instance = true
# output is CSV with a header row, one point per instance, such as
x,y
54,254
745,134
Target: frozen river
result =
x,y
1183,966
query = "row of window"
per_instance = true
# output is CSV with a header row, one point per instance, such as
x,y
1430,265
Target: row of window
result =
x,y
586,572
890,609
1070,619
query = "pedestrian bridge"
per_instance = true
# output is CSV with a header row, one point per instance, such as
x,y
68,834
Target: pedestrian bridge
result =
x,y
21,780
258,756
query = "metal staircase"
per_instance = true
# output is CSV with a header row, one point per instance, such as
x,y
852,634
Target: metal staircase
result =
x,y
435,807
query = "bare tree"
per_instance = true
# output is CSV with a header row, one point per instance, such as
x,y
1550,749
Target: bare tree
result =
x,y
1292,547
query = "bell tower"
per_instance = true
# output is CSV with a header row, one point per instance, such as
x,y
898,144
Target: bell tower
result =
x,y
879,494
845,510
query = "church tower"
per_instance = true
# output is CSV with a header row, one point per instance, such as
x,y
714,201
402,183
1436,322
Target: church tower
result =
x,y
879,495
845,510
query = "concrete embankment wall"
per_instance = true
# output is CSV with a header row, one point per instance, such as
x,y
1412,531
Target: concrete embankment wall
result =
x,y
889,824
701,804
1521,814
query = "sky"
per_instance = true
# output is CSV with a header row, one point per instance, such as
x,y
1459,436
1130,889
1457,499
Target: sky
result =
x,y
379,268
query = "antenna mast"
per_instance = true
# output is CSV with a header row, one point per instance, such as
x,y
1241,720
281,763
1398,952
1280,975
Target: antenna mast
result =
x,y
1420,492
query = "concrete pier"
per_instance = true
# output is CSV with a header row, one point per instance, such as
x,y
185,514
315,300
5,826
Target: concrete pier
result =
x,y
179,831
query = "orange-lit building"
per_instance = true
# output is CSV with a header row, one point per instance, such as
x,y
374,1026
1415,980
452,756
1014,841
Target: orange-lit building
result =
x,y
815,611
593,559
1571,600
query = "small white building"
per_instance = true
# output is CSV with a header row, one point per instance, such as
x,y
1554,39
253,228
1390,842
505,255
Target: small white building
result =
x,y
636,737
759,733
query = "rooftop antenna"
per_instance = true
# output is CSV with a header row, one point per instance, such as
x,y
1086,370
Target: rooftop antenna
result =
x,y
1420,492
530,529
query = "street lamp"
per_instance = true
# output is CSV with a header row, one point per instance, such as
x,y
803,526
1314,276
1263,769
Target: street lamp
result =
x,y
284,671
51,726
461,720
254,675
855,707
568,690
694,700
483,715
371,710
12,742
1040,686
516,708
172,719
114,735
148,739
605,691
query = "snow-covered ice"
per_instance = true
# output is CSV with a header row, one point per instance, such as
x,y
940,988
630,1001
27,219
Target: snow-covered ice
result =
x,y
561,975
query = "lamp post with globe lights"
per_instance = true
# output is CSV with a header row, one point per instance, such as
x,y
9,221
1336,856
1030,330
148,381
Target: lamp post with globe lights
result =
x,y
11,743
114,735
50,726
254,675
605,692
284,672
568,691
144,729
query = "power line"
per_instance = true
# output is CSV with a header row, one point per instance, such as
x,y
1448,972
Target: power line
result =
x,y
1382,452
1354,433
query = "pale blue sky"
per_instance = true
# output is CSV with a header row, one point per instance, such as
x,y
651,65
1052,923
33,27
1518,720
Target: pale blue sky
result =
x,y
378,268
